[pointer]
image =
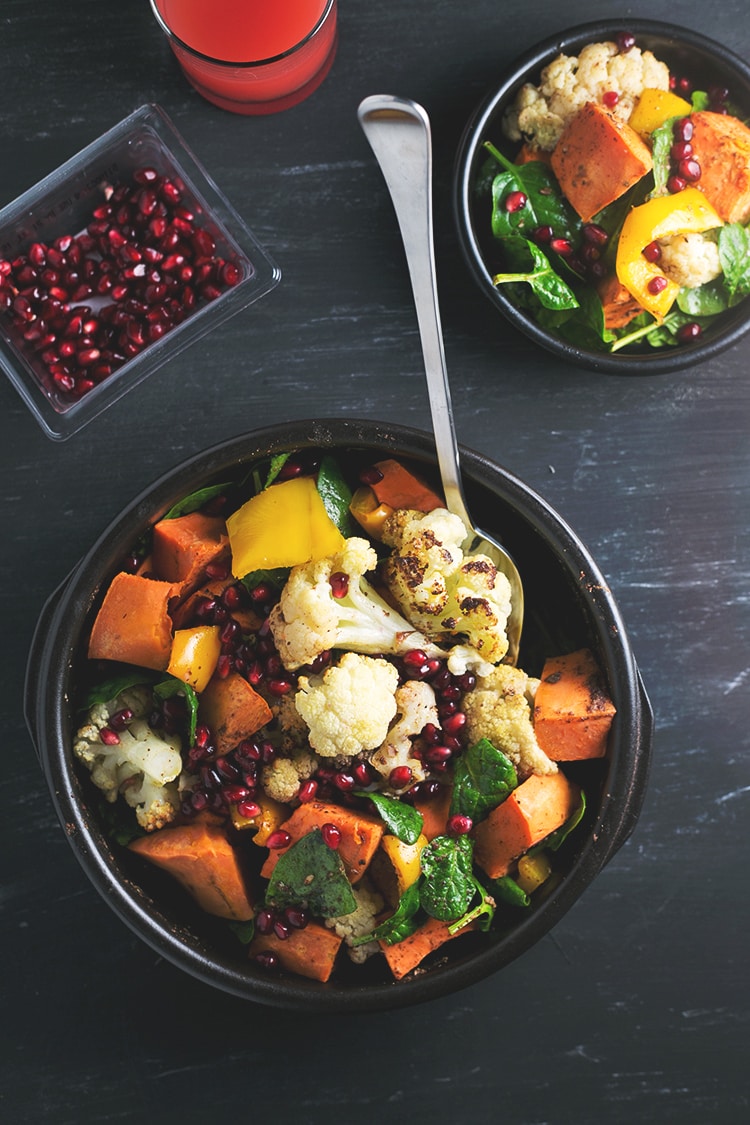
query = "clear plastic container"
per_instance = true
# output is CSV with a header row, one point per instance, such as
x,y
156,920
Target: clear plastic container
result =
x,y
62,204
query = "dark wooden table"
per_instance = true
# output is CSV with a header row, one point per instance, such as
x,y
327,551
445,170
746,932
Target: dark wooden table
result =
x,y
636,1006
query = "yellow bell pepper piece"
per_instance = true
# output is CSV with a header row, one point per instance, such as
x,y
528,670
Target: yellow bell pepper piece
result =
x,y
533,870
404,859
195,653
284,525
272,814
685,212
654,108
369,514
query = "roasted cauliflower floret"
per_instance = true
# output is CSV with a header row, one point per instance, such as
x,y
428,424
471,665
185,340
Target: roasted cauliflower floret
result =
x,y
349,708
282,777
133,761
449,595
361,921
310,618
690,259
500,710
540,113
416,707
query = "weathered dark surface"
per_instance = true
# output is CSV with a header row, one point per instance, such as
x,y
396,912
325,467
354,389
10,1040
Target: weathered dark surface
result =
x,y
635,1008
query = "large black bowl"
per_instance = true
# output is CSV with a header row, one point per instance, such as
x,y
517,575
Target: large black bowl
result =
x,y
569,606
686,53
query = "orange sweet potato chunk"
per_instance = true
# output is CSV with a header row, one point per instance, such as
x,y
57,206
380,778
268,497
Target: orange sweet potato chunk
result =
x,y
538,806
434,812
183,547
722,146
361,834
201,858
572,711
400,488
133,623
405,955
233,710
618,304
310,952
597,159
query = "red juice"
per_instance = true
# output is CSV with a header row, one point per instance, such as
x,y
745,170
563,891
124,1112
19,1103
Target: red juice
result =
x,y
251,56
241,31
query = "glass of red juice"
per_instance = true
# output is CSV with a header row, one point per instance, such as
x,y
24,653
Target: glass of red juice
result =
x,y
251,56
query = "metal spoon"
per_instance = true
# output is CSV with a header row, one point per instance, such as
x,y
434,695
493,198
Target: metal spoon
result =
x,y
399,133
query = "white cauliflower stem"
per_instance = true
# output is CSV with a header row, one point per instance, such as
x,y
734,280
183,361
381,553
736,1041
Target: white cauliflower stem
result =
x,y
416,707
446,593
499,709
361,921
309,620
137,763
348,709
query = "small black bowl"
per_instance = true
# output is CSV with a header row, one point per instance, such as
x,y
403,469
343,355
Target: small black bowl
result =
x,y
686,53
568,606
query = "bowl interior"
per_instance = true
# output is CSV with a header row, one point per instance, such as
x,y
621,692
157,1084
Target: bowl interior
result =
x,y
686,53
568,606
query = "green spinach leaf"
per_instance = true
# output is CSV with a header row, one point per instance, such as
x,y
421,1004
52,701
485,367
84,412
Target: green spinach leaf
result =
x,y
482,914
401,820
447,884
734,255
545,204
548,286
556,839
704,300
508,891
107,690
662,140
483,778
195,501
401,924
172,686
336,496
312,875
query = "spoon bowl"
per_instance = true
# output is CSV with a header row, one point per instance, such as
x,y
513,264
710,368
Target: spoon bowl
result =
x,y
399,134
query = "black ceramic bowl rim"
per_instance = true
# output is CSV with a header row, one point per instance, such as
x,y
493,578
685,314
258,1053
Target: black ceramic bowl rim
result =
x,y
665,40
49,691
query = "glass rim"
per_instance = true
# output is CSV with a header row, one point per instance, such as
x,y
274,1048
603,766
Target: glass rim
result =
x,y
250,65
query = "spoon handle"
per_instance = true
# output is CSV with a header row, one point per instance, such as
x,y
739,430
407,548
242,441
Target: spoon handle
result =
x,y
399,134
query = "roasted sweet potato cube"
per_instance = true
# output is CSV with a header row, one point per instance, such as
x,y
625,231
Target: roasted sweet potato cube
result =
x,y
133,624
597,159
722,147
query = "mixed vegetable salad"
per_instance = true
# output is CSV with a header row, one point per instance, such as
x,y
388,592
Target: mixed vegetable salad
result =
x,y
296,706
622,217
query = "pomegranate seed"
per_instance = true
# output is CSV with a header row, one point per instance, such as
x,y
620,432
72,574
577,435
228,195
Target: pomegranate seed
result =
x,y
459,825
307,791
454,723
625,42
346,782
680,150
676,184
437,755
280,929
689,170
400,777
371,475
339,584
296,917
331,834
264,920
109,737
652,252
595,234
248,809
362,774
561,246
278,839
684,87
657,285
688,332
610,98
145,175
515,201
267,960
279,687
